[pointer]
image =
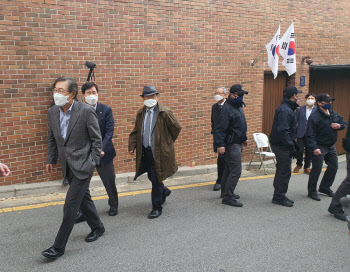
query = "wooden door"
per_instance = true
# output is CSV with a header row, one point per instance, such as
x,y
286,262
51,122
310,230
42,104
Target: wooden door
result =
x,y
273,94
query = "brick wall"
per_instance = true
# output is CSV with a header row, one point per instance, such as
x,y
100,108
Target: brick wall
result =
x,y
185,48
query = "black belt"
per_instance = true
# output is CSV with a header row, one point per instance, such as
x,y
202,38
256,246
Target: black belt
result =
x,y
147,148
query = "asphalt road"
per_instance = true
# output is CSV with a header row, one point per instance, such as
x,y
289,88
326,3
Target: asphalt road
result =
x,y
195,233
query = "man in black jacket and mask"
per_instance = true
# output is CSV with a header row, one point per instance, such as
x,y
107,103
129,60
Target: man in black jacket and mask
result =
x,y
283,144
321,135
229,136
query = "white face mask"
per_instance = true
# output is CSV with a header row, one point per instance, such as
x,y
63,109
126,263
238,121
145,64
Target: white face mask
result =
x,y
60,99
91,99
150,103
310,102
218,98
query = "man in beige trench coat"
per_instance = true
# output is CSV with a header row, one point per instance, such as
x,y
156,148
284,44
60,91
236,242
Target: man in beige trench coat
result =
x,y
156,129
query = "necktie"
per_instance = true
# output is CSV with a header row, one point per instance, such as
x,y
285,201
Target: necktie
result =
x,y
147,129
220,107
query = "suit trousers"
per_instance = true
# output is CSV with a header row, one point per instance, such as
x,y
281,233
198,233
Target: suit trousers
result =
x,y
159,191
283,171
233,170
221,163
78,196
344,188
330,156
308,153
107,175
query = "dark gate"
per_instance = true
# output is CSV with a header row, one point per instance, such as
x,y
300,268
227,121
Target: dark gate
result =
x,y
334,80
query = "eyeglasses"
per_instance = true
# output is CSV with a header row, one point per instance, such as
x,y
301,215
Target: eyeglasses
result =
x,y
218,93
60,91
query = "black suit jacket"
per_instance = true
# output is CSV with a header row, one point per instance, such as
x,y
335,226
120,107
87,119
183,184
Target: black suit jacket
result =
x,y
106,123
215,117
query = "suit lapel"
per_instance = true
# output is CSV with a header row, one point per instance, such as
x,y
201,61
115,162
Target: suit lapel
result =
x,y
73,118
56,122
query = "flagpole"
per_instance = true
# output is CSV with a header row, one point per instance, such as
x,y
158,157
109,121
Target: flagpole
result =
x,y
253,61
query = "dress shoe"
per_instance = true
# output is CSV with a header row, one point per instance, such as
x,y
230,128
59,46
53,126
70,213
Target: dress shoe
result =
x,y
65,181
53,253
338,214
80,217
296,169
291,201
328,192
283,202
155,214
165,195
314,197
232,202
217,187
95,234
307,171
113,211
234,196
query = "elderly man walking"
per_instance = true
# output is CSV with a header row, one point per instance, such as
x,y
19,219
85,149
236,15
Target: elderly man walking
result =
x,y
156,129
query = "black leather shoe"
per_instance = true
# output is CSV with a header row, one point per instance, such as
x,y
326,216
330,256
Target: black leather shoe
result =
x,y
217,187
165,195
338,214
291,201
314,197
283,202
80,217
53,253
234,196
232,202
155,214
328,192
95,234
113,211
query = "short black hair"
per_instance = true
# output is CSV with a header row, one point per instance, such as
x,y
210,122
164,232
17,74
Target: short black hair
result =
x,y
72,84
87,86
310,94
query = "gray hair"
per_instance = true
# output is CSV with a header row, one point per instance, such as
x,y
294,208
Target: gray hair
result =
x,y
223,89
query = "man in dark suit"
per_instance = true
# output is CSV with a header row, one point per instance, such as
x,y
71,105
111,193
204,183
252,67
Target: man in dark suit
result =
x,y
156,129
303,114
220,98
74,136
106,167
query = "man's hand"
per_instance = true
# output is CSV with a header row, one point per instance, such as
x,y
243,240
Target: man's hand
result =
x,y
49,168
335,126
132,152
221,150
317,152
245,144
4,170
102,154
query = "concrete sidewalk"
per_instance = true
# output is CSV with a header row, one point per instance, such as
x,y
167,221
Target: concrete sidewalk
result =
x,y
125,182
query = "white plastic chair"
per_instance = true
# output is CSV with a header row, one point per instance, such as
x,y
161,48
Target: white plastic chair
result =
x,y
263,149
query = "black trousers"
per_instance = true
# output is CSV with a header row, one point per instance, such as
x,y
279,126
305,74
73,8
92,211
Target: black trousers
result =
x,y
78,197
159,191
107,175
221,163
283,171
344,188
308,153
330,156
233,170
